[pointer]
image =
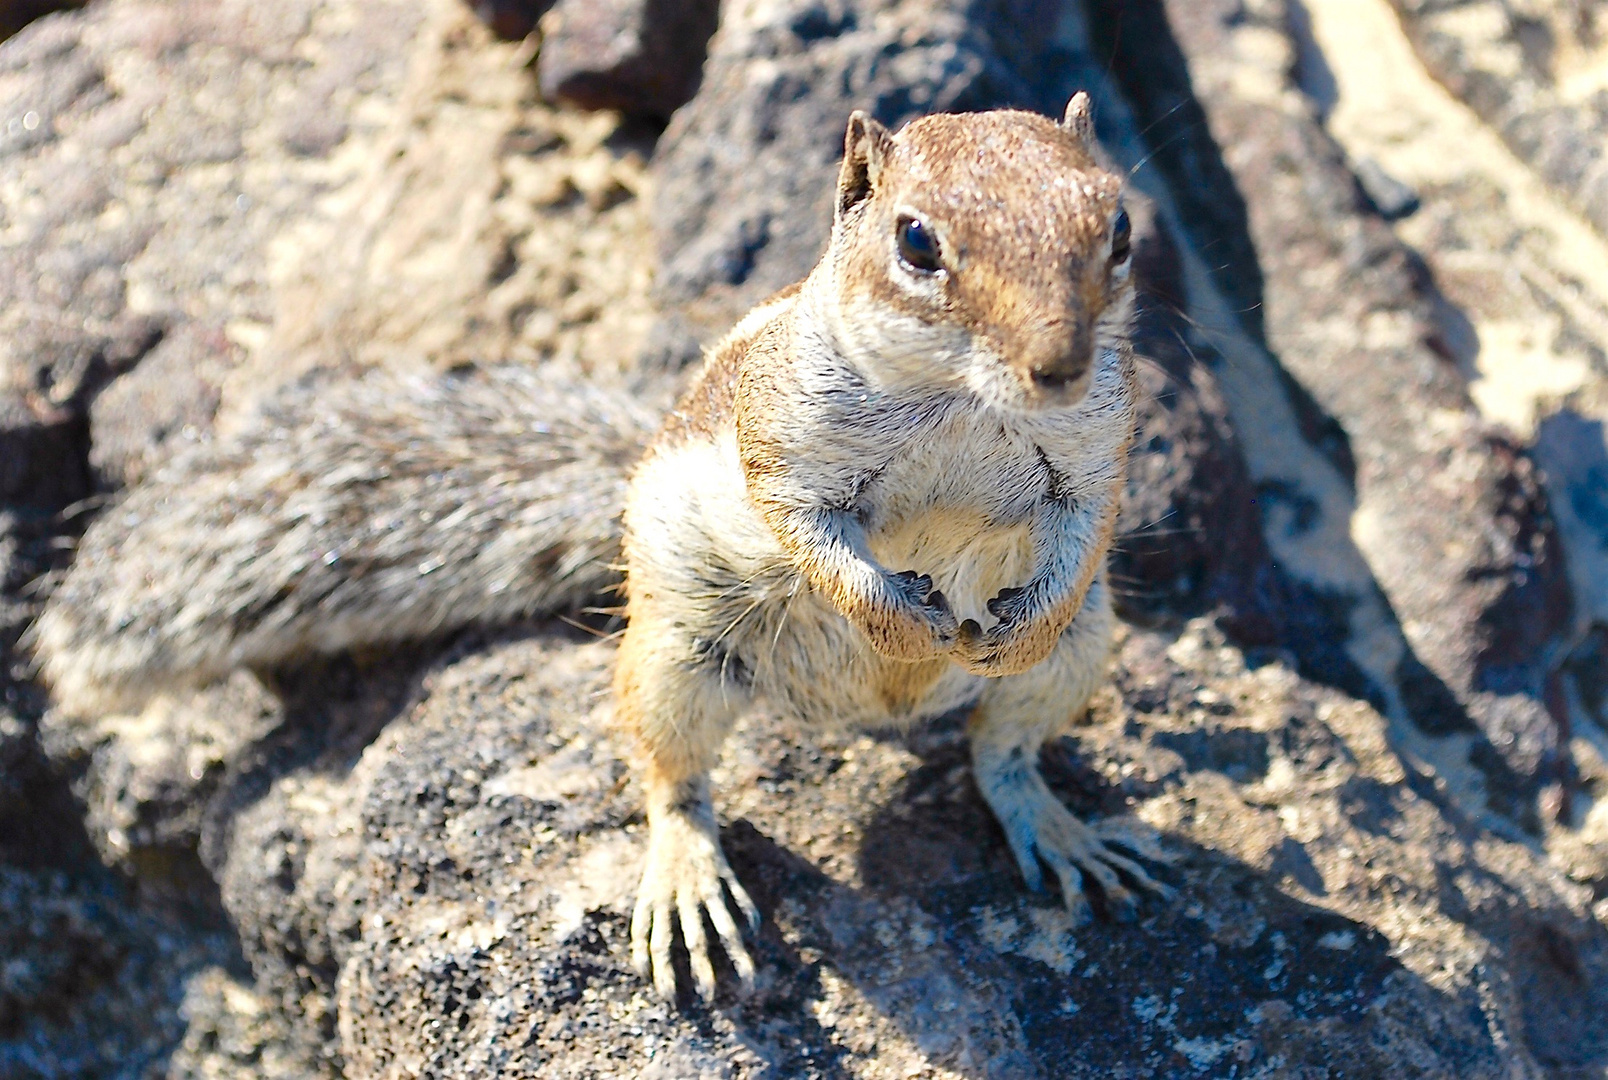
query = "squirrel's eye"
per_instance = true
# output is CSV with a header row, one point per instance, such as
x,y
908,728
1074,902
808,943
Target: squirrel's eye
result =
x,y
1121,237
917,246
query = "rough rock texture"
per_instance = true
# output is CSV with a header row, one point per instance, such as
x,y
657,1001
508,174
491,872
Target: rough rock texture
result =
x,y
1452,517
493,885
1189,535
1535,72
779,83
426,855
89,985
642,57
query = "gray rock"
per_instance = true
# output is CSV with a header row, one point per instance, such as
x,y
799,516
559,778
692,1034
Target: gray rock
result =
x,y
1511,64
642,57
170,399
497,885
88,980
1189,535
146,781
1472,567
427,858
778,86
1392,198
84,296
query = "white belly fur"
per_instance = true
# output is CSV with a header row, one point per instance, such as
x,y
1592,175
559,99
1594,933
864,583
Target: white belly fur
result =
x,y
800,652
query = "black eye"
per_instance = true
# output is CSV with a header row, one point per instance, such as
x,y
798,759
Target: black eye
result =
x,y
1121,237
917,246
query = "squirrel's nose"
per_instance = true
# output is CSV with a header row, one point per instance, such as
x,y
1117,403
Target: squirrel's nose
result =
x,y
1060,358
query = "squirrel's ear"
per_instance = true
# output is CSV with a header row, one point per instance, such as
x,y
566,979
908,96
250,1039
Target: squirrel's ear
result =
x,y
865,145
1079,120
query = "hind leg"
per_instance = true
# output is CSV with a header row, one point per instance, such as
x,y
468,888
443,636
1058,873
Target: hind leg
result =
x,y
679,702
1014,718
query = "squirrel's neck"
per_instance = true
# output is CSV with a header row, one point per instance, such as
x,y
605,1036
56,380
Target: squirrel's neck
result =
x,y
818,316
828,336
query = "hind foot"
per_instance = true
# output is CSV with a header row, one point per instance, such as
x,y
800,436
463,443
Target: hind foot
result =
x,y
686,878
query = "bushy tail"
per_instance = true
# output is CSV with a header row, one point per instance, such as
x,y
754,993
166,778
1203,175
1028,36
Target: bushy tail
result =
x,y
350,514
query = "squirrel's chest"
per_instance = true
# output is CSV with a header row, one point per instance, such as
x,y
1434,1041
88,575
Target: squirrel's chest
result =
x,y
957,504
968,473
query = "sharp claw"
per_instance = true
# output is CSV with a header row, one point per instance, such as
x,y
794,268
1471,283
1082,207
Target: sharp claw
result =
x,y
740,895
1072,894
1122,906
732,940
664,975
1136,872
996,606
1026,860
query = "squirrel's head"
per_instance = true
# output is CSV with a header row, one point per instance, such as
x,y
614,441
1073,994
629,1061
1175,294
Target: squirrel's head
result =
x,y
986,250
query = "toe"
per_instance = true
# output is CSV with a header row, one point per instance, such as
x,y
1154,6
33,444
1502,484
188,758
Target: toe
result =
x,y
664,975
690,913
1121,905
1072,894
1136,873
1023,846
732,940
641,927
739,896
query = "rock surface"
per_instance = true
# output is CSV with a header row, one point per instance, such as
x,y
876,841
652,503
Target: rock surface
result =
x,y
1358,705
642,57
1472,566
1535,73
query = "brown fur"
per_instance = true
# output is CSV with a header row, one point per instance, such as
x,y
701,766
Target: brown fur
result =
x,y
710,402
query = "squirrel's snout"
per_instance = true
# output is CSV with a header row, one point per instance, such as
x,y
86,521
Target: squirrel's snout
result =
x,y
1057,363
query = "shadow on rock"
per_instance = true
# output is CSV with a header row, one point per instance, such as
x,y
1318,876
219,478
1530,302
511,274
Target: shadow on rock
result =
x,y
1234,977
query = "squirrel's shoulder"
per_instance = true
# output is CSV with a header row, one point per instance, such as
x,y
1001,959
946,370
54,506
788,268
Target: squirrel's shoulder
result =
x,y
709,405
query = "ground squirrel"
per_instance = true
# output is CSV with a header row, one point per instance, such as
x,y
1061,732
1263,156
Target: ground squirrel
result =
x,y
889,494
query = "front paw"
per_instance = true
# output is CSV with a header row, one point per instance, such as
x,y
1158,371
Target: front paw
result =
x,y
909,620
1009,647
1012,606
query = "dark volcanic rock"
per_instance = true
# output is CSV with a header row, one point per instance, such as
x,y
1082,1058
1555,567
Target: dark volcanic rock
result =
x,y
777,91
510,19
15,14
642,57
88,984
497,882
1189,538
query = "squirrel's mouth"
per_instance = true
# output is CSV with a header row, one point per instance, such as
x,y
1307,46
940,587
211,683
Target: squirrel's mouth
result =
x,y
1057,392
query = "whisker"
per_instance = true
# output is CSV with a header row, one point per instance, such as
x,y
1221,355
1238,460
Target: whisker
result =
x,y
593,631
